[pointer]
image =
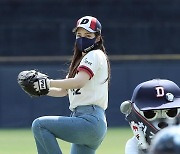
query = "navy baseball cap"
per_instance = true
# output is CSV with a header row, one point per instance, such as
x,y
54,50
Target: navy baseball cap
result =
x,y
156,94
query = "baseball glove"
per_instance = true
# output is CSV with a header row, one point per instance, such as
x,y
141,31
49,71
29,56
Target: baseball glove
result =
x,y
33,82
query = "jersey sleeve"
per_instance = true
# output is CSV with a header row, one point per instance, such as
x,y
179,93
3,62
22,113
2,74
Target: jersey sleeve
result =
x,y
89,63
131,146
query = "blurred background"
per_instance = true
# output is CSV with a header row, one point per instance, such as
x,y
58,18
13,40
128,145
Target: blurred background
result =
x,y
142,38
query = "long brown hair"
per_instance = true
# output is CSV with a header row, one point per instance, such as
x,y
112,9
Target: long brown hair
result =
x,y
77,57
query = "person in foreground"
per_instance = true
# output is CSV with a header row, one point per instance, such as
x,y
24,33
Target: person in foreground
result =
x,y
87,87
166,141
155,104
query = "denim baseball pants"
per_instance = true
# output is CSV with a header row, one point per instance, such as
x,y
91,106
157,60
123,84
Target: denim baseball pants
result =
x,y
85,129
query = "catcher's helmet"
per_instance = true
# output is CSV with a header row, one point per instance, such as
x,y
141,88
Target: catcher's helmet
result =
x,y
166,141
89,23
156,94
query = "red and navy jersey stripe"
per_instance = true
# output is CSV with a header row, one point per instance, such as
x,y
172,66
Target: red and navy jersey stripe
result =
x,y
86,69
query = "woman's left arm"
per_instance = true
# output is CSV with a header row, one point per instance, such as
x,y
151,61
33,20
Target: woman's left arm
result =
x,y
71,83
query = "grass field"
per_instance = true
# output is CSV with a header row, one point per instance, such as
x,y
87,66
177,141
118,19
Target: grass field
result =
x,y
21,141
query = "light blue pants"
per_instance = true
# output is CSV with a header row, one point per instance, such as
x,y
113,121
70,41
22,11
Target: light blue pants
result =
x,y
85,129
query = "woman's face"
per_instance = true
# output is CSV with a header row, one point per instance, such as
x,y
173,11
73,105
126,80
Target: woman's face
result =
x,y
81,32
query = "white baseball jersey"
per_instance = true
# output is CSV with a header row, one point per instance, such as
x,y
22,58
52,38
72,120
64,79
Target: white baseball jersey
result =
x,y
132,147
95,91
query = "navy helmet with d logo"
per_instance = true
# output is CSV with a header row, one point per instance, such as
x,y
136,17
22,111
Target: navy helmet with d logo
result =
x,y
156,94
